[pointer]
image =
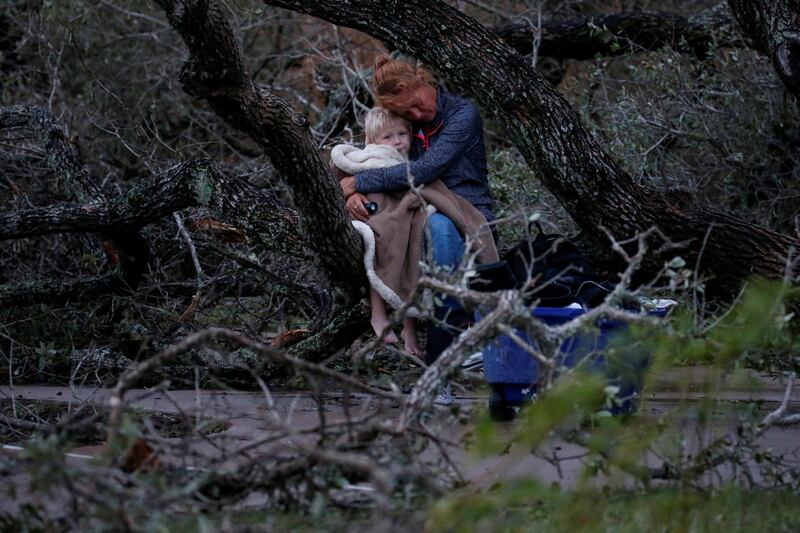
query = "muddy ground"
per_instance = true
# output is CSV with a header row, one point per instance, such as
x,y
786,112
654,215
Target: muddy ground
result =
x,y
242,423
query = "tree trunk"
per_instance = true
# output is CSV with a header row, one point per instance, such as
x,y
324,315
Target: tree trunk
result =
x,y
587,181
774,27
215,72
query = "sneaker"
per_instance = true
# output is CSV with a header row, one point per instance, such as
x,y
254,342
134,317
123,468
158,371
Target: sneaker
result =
x,y
474,362
445,396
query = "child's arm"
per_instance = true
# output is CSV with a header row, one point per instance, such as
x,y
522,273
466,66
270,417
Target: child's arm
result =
x,y
354,201
461,132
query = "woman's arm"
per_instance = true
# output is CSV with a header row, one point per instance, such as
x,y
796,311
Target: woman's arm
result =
x,y
461,131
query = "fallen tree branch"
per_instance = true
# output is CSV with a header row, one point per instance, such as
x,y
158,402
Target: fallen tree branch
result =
x,y
61,155
60,291
622,33
198,270
427,386
197,183
26,425
63,158
342,328
728,447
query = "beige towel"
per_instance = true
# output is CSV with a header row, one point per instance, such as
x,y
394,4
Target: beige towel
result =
x,y
399,227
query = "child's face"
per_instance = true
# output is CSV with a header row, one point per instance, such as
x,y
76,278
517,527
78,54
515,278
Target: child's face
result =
x,y
397,134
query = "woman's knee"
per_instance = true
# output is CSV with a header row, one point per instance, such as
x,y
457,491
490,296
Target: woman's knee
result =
x,y
441,224
446,244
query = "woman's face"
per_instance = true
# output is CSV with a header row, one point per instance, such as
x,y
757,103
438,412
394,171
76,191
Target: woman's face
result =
x,y
422,106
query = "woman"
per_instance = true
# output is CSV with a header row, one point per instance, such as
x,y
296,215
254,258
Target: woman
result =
x,y
448,145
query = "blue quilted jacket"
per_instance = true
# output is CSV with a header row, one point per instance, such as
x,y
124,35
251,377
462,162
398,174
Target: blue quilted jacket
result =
x,y
453,151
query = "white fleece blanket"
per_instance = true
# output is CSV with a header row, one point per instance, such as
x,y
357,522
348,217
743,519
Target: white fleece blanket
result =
x,y
352,160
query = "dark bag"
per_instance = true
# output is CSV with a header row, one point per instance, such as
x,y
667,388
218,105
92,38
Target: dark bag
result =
x,y
562,274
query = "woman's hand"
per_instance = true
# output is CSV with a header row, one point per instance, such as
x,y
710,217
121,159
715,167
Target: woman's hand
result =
x,y
348,185
355,206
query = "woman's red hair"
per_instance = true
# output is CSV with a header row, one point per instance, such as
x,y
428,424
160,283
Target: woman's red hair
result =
x,y
395,81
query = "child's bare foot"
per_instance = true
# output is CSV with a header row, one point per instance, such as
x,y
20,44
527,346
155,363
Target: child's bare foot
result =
x,y
410,342
378,326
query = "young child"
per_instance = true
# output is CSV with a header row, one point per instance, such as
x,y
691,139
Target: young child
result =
x,y
388,138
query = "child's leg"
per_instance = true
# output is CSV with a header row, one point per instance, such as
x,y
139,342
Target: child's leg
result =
x,y
409,336
378,317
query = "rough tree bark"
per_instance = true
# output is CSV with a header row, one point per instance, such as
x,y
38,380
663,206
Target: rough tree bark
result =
x,y
774,27
621,33
586,180
59,291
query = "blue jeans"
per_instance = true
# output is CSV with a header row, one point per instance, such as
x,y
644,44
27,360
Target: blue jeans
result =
x,y
446,247
444,241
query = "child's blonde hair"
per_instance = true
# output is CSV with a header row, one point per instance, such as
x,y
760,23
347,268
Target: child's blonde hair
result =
x,y
376,121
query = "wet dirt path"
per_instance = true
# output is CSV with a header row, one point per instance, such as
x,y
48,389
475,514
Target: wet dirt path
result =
x,y
250,420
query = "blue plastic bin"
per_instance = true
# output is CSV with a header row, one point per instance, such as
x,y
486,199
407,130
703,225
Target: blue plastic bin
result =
x,y
513,373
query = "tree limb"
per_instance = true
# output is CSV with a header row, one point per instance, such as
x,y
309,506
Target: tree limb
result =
x,y
59,291
197,183
61,155
342,329
63,158
620,33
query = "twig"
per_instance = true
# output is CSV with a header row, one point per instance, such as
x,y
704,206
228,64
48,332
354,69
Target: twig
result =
x,y
197,268
777,417
134,374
